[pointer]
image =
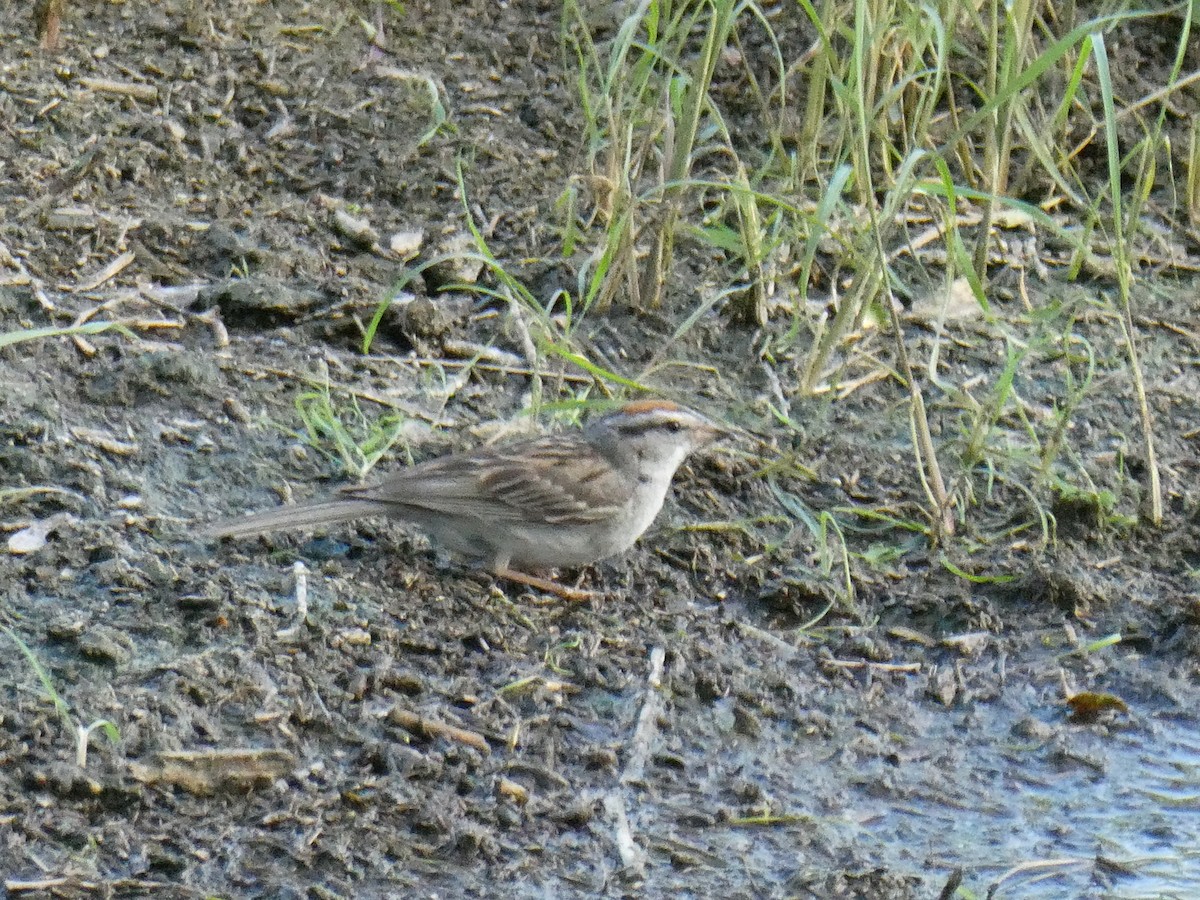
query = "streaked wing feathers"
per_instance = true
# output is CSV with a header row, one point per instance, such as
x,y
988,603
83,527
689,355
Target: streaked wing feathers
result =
x,y
555,480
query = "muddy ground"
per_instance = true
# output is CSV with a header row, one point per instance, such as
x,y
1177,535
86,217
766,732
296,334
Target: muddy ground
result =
x,y
728,720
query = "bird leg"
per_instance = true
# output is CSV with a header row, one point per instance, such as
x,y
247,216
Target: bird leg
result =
x,y
544,584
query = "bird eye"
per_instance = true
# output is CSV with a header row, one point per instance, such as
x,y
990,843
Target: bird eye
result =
x,y
674,427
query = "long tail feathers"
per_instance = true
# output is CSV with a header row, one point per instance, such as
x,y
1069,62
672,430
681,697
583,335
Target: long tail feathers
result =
x,y
322,513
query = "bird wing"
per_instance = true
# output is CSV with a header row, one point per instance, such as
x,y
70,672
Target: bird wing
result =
x,y
569,484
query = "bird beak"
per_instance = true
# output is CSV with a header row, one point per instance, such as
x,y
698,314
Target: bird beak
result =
x,y
710,431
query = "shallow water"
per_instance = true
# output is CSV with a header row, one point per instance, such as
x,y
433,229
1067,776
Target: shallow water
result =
x,y
1026,802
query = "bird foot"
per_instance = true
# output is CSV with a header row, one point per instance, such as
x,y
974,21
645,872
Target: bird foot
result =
x,y
548,585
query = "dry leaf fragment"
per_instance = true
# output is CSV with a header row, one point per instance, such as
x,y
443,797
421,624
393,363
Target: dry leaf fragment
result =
x,y
1087,706
204,772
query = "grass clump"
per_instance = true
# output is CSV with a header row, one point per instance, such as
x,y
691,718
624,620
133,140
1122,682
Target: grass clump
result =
x,y
81,734
926,136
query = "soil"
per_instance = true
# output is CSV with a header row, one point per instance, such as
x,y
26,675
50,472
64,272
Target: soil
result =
x,y
744,710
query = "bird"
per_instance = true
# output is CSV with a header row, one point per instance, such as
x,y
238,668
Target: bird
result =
x,y
562,500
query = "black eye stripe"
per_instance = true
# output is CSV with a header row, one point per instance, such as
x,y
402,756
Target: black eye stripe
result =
x,y
642,427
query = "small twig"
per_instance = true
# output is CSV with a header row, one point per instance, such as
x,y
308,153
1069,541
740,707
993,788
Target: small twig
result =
x,y
647,724
205,772
778,644
212,318
632,857
42,884
114,268
768,820
523,371
483,352
47,16
147,93
285,125
1039,865
300,572
35,284
105,888
527,345
103,441
877,666
423,727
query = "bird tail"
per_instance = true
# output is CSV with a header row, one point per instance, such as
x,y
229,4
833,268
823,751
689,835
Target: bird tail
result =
x,y
324,512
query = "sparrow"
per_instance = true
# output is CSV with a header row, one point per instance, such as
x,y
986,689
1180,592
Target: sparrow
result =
x,y
558,501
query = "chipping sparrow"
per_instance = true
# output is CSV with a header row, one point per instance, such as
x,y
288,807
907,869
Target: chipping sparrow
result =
x,y
560,500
